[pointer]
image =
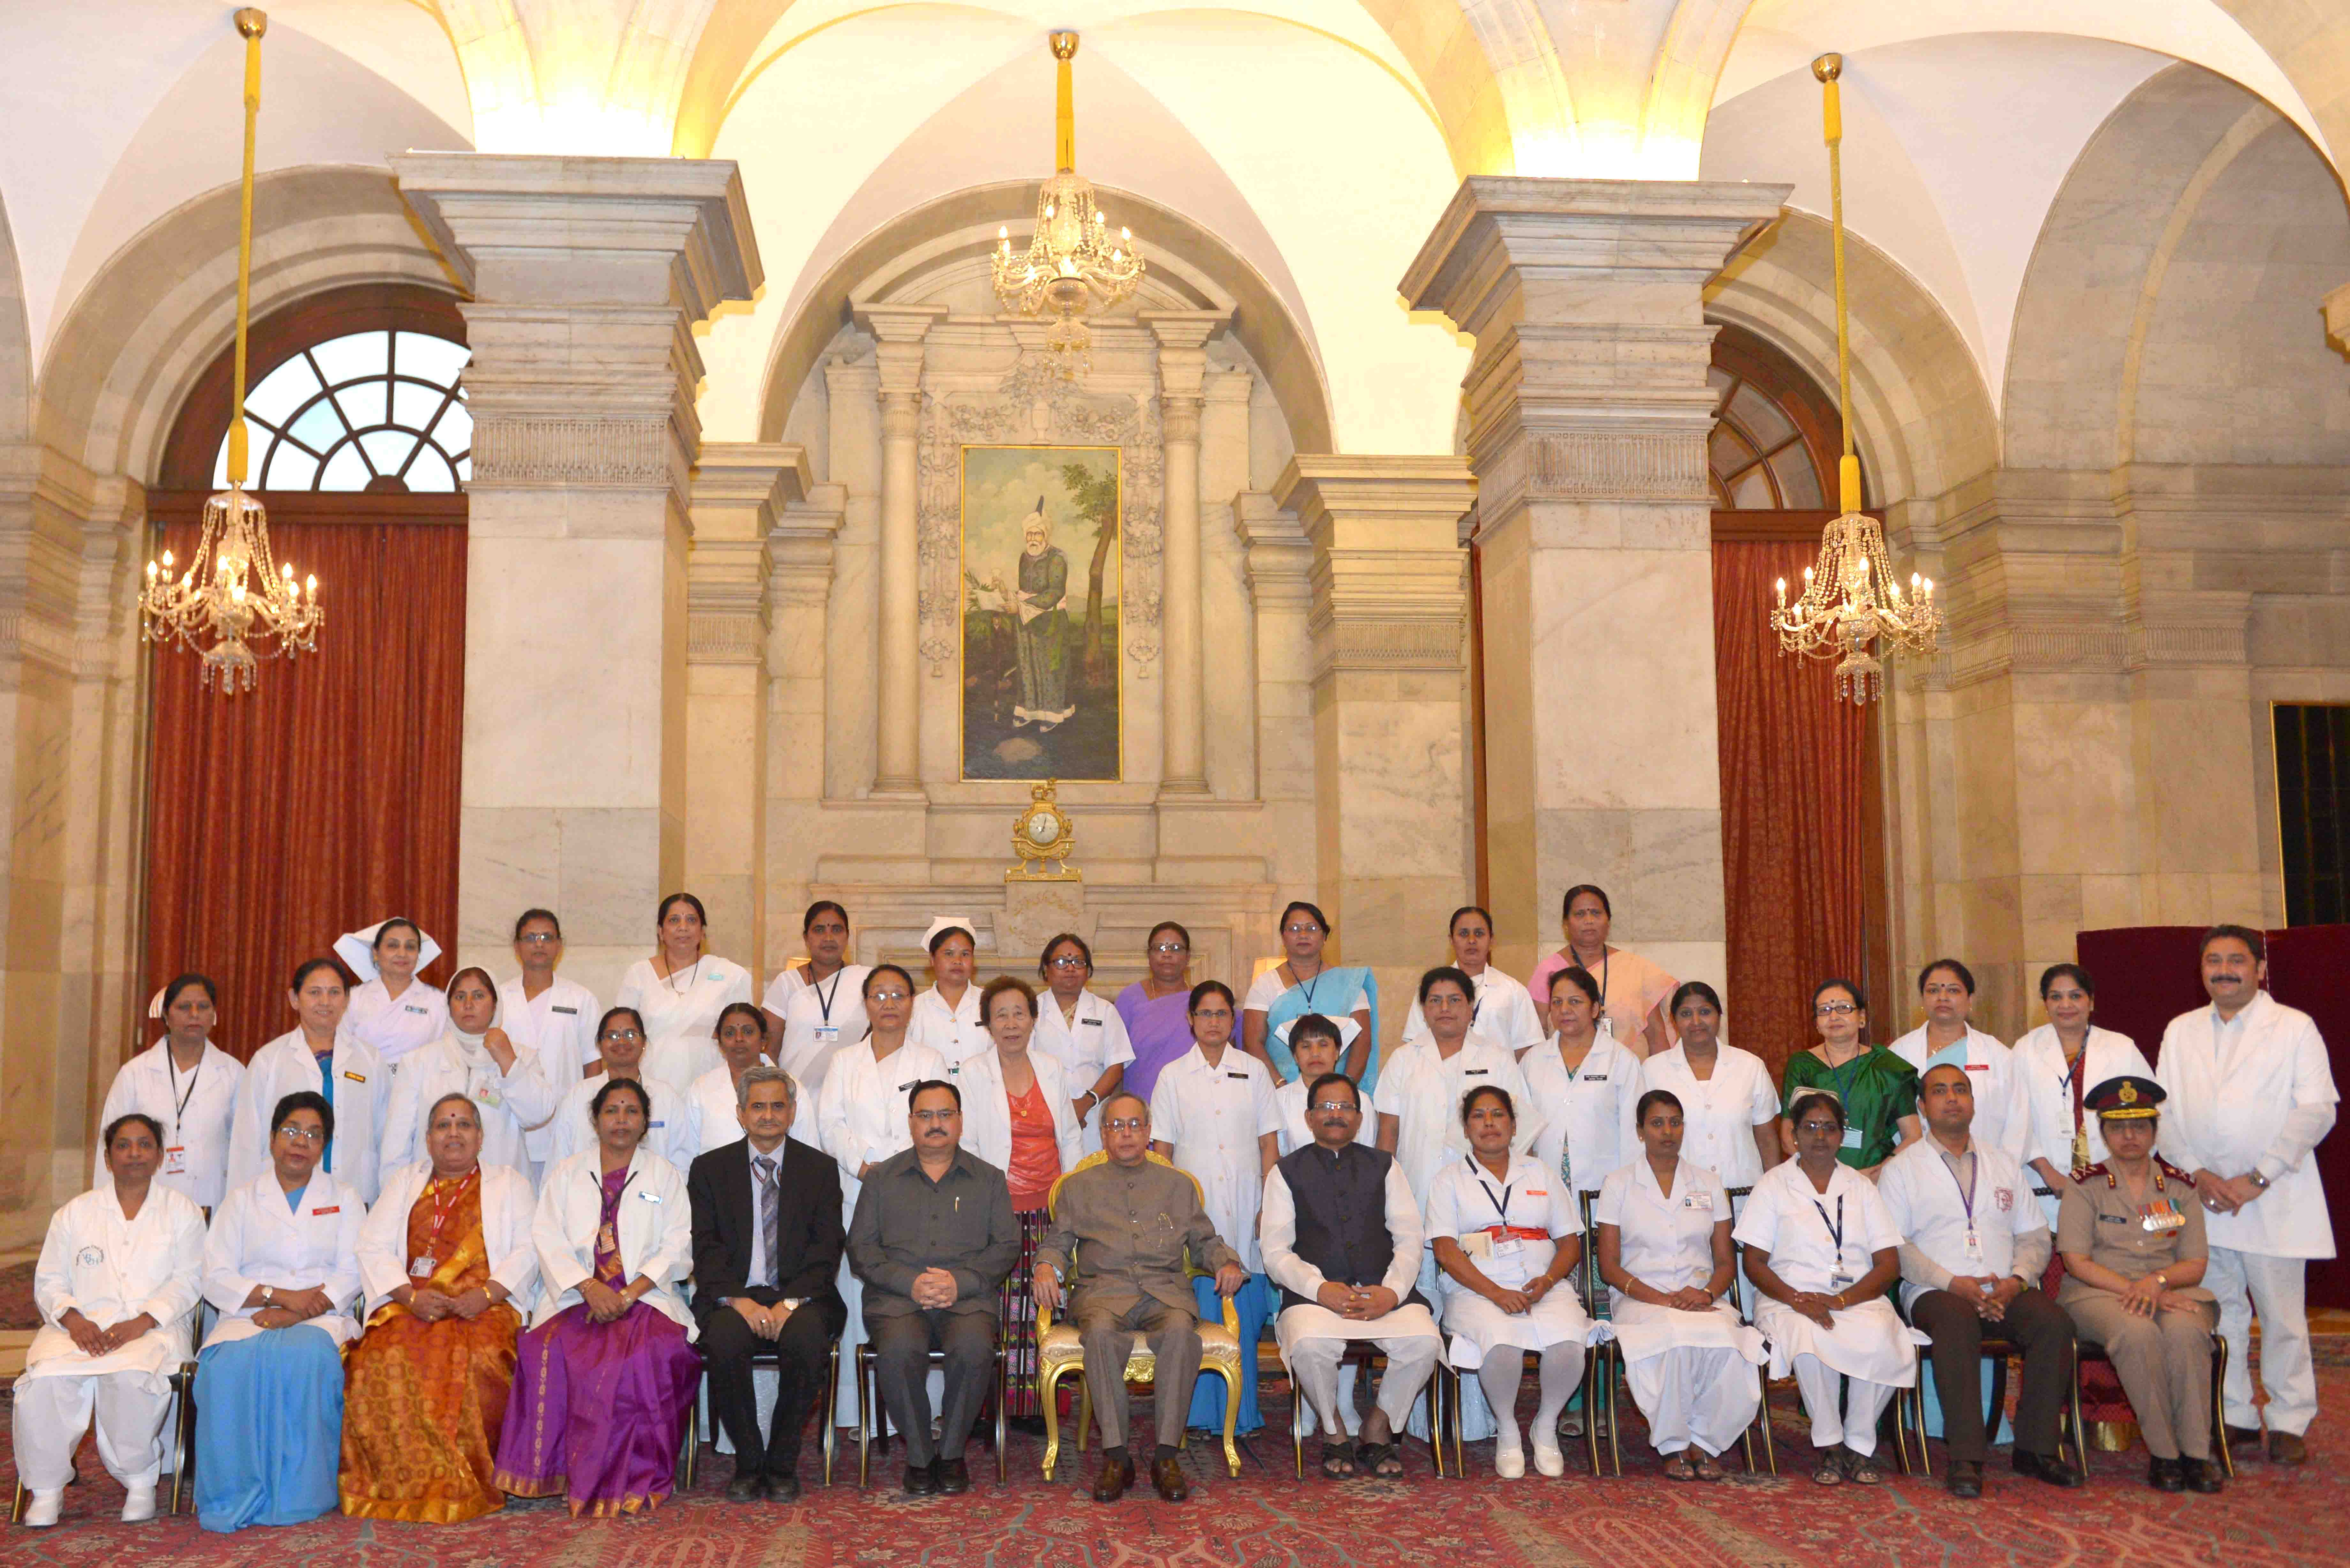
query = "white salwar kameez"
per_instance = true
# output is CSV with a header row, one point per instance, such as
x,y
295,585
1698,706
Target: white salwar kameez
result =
x,y
1086,1046
821,1019
508,1102
110,1269
955,1032
680,1012
196,1109
1794,1224
669,1131
1312,1337
559,1025
1467,1203
362,1095
397,1026
1691,1373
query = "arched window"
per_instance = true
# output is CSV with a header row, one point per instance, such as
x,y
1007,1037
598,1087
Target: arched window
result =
x,y
381,412
1775,440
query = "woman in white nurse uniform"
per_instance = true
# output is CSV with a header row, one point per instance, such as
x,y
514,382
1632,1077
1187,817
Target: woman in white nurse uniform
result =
x,y
1822,1251
188,1085
1502,1010
679,992
710,1099
2057,1064
946,1016
554,1017
319,1056
671,1129
816,1010
476,1060
861,1120
1730,1106
117,1285
1506,1234
1583,1083
1081,1031
1663,1252
392,1011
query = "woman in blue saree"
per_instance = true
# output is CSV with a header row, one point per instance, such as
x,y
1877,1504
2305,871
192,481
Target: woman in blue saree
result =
x,y
1306,982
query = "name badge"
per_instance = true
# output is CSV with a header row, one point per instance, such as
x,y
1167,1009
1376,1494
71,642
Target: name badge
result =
x,y
1698,1200
1974,1248
649,1126
650,1197
828,1034
90,1257
1978,1066
331,1209
1090,1023
175,1160
1538,1192
1241,1076
356,1077
573,1011
490,1098
1852,1137
1508,1247
1839,1281
421,1268
411,1007
1476,1071
1595,1077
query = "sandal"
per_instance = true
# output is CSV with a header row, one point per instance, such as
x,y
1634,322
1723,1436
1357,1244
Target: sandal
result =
x,y
1679,1467
1339,1459
1830,1471
1703,1466
1381,1461
1861,1468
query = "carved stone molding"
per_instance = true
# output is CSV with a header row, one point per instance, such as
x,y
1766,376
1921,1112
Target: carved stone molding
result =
x,y
2172,646
593,455
723,637
1655,467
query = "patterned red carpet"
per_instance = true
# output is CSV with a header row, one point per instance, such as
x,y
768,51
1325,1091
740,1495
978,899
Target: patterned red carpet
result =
x,y
2270,1516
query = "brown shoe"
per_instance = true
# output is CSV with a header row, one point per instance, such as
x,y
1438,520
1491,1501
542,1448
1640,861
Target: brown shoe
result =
x,y
2239,1436
1167,1475
2285,1448
1116,1476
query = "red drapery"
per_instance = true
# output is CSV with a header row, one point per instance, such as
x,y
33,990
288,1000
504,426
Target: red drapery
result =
x,y
1794,815
327,798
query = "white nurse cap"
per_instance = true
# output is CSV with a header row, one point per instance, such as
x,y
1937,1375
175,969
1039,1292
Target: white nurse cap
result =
x,y
944,923
356,949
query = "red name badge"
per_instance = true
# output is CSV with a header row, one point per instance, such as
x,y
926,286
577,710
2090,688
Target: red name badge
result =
x,y
1978,1066
336,1209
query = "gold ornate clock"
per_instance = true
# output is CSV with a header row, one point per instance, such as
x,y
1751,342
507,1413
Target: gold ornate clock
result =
x,y
1043,837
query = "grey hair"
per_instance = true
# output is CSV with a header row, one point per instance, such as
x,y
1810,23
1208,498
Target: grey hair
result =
x,y
763,1074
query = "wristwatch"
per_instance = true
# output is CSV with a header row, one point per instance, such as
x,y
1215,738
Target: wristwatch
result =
x,y
269,1295
2258,1180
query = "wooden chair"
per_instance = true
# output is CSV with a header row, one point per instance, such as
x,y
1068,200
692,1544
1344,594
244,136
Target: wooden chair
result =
x,y
1059,1352
183,1434
1598,1404
688,1460
1368,1357
1762,1423
2085,1354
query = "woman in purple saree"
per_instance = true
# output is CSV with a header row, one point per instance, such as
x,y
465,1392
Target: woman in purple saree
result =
x,y
1157,1008
607,1369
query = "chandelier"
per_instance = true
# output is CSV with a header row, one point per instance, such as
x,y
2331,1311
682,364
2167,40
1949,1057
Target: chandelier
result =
x,y
1073,263
231,593
1853,608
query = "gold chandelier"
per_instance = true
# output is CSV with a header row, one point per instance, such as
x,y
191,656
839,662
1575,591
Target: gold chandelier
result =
x,y
231,591
1073,263
1851,600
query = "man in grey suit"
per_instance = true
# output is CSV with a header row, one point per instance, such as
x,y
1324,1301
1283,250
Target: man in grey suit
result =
x,y
1137,1223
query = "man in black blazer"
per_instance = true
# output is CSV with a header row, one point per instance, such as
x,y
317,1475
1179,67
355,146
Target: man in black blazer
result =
x,y
767,1254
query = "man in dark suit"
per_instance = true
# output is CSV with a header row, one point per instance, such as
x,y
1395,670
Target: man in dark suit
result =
x,y
766,1251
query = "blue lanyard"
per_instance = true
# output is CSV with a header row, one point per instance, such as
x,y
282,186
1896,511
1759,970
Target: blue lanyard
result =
x,y
1835,1230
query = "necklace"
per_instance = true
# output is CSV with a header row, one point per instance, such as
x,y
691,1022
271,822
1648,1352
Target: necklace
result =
x,y
669,979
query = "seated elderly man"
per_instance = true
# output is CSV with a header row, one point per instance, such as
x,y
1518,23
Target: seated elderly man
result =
x,y
1141,1226
1342,1239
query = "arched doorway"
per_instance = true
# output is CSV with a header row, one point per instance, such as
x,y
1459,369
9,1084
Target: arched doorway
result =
x,y
327,798
1803,850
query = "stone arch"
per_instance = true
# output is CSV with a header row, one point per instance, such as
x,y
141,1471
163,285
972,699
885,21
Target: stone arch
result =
x,y
15,343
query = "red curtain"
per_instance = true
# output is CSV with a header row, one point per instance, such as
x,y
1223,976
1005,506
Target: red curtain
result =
x,y
325,798
1794,785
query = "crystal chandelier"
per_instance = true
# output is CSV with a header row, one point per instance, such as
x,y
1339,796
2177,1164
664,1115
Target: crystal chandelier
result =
x,y
1074,265
1851,600
232,592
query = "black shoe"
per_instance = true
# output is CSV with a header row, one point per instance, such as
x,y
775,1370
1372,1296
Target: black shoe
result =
x,y
746,1489
2044,1467
2203,1476
2240,1436
2165,1475
1964,1479
921,1480
785,1487
953,1476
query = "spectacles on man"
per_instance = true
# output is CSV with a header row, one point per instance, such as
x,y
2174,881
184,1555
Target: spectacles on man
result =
x,y
302,1134
1126,1124
1326,1107
936,1119
538,939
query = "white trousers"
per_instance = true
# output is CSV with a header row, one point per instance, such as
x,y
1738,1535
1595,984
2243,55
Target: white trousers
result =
x,y
1410,1361
1854,1426
2253,1282
52,1413
1706,1397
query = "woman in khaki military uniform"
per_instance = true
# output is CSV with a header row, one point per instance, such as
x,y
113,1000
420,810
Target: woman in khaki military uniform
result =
x,y
2132,1237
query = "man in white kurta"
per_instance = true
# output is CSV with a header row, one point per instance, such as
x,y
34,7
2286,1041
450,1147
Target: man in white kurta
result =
x,y
554,1017
2250,1094
1342,1239
117,1293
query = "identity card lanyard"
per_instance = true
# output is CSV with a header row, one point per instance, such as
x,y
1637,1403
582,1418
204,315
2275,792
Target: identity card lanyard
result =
x,y
423,1267
1837,1278
1967,1198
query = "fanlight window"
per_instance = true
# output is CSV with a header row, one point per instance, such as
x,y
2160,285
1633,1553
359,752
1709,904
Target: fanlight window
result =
x,y
381,412
1758,456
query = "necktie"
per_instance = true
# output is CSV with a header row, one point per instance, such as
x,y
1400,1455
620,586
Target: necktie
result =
x,y
770,1216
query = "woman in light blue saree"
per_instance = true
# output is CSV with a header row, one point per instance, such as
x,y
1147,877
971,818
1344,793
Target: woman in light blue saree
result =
x,y
1306,982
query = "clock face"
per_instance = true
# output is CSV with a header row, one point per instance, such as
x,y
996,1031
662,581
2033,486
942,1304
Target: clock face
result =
x,y
1042,828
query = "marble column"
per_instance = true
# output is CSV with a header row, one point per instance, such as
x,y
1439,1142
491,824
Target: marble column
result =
x,y
1182,365
739,490
584,278
1588,415
900,331
803,541
1387,627
1280,571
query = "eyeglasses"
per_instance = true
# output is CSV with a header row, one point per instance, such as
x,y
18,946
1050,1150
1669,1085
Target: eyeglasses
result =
x,y
537,939
1833,1009
888,996
1328,1106
936,1119
1070,960
1300,929
1126,1124
1820,1127
301,1135
1169,948
617,1035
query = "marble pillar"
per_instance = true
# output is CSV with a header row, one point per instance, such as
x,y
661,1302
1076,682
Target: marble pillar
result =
x,y
1280,573
1387,627
900,331
740,491
1227,629
802,543
584,278
1588,413
1182,364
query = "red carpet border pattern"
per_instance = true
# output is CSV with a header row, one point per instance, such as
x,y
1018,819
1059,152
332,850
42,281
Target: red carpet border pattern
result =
x,y
2271,1517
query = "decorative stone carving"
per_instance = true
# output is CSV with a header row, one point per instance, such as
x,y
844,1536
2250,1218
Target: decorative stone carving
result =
x,y
592,454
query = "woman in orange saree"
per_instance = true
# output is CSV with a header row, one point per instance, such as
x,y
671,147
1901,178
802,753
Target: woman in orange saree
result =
x,y
442,1253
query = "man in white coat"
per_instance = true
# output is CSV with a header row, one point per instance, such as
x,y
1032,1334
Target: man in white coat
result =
x,y
2251,1095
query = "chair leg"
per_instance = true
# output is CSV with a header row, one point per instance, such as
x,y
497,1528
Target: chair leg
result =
x,y
2219,1407
1612,1368
16,1504
1592,1411
1232,1421
2080,1431
1002,1393
864,1422
1762,1418
829,1440
183,1473
1048,1395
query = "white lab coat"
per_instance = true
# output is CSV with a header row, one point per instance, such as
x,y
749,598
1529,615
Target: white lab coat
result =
x,y
1422,1090
257,1239
1718,1115
149,1083
559,1026
112,1270
362,1096
860,1116
1296,1134
669,1132
2255,1096
508,1205
395,1029
711,1103
1588,1116
2046,1092
508,1102
820,1021
1505,1013
680,1012
1086,1046
656,1232
1211,1118
955,1032
2002,1118
987,1109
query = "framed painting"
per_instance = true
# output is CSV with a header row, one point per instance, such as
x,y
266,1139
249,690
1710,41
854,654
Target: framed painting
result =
x,y
1040,633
